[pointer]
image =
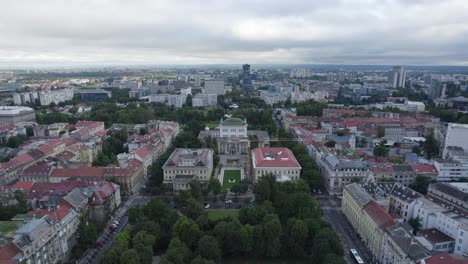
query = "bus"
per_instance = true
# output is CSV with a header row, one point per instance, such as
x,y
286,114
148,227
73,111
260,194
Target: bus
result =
x,y
355,256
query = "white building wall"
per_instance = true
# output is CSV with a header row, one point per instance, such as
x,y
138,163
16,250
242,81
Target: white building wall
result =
x,y
456,136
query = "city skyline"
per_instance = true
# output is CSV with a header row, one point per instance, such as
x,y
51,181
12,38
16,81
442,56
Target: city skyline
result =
x,y
233,32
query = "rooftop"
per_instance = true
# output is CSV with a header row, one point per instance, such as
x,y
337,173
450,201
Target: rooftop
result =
x,y
402,168
450,190
445,258
79,172
435,236
401,234
190,157
14,110
8,253
360,196
424,168
378,214
274,157
233,121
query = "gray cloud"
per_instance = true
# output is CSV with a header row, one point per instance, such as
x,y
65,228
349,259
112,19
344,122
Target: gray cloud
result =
x,y
220,31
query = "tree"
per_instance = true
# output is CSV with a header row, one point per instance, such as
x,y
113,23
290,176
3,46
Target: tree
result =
x,y
325,242
297,234
334,259
415,223
246,237
130,257
187,231
87,233
236,188
271,234
208,248
380,150
265,188
330,143
196,190
177,253
142,237
214,185
431,146
244,185
199,260
421,184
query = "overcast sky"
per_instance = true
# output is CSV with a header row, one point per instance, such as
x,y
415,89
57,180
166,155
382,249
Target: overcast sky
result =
x,y
411,32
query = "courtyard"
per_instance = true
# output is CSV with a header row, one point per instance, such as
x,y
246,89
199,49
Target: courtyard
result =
x,y
230,178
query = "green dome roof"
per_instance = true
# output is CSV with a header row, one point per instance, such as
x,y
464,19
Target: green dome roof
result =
x,y
233,121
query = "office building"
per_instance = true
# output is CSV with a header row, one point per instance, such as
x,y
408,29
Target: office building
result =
x,y
204,100
16,114
95,95
185,165
455,136
277,161
214,87
176,100
397,77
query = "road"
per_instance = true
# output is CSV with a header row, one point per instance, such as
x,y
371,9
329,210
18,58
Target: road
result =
x,y
331,208
93,255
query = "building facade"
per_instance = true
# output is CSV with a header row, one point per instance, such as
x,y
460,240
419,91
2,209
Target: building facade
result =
x,y
17,114
278,161
185,165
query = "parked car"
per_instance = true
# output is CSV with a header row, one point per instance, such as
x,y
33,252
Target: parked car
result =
x,y
99,244
207,205
229,201
113,227
116,223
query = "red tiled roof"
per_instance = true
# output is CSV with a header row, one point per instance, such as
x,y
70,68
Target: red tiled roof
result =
x,y
79,172
144,151
274,157
42,188
17,161
6,126
74,148
67,127
424,168
434,235
62,210
65,155
445,258
103,191
131,166
7,253
384,168
378,214
38,169
70,141
93,124
23,185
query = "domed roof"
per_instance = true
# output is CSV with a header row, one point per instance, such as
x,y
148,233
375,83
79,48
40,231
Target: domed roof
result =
x,y
233,121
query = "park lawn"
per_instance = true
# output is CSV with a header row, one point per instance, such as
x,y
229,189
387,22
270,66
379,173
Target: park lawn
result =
x,y
231,174
215,215
8,228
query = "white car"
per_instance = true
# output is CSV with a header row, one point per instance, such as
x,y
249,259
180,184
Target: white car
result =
x,y
229,201
207,205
